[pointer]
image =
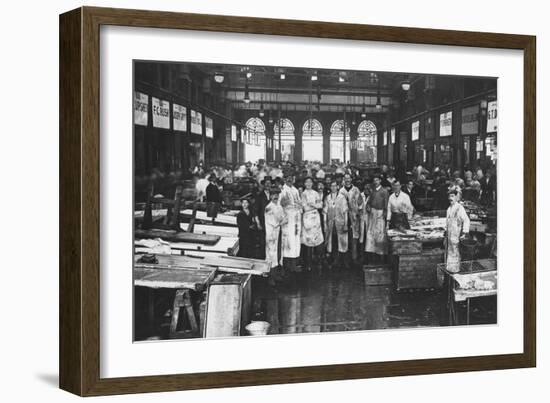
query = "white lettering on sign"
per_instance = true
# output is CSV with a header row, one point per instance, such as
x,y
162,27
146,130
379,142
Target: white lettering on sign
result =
x,y
492,117
209,129
415,130
446,124
196,122
161,113
179,114
141,106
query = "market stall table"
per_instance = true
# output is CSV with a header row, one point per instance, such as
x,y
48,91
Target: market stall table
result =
x,y
227,218
475,279
184,281
225,246
415,252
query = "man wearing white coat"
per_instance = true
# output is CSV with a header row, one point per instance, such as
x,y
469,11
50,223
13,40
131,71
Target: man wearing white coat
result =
x,y
290,201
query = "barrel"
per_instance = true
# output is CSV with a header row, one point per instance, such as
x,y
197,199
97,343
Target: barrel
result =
x,y
468,249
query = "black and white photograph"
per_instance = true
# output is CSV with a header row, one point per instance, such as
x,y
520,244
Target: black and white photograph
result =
x,y
273,200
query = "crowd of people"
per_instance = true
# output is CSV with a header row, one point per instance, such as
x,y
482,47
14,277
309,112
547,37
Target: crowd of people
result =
x,y
300,217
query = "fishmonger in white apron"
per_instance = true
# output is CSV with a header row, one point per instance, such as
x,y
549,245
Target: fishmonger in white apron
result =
x,y
290,201
458,224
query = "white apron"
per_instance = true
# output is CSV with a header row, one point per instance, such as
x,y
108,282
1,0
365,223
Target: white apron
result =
x,y
355,204
336,220
377,240
274,217
364,220
457,222
312,234
289,200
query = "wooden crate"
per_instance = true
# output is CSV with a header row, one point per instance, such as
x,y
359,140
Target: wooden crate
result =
x,y
380,274
405,247
228,305
418,271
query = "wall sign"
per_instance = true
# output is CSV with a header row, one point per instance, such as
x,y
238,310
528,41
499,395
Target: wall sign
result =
x,y
446,124
492,117
233,133
161,113
209,129
179,117
141,106
242,136
196,122
415,130
392,135
385,138
470,120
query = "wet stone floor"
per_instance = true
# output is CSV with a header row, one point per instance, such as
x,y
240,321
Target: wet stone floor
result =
x,y
339,300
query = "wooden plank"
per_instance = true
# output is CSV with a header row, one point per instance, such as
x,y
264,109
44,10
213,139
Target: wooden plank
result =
x,y
225,246
224,218
155,214
174,236
226,263
212,230
223,310
192,279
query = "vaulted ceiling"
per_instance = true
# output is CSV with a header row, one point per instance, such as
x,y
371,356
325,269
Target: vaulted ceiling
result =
x,y
292,88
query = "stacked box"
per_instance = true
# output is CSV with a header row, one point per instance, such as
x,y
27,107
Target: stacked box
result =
x,y
418,271
378,274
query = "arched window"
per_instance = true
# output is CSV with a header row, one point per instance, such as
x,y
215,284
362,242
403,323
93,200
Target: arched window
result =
x,y
287,138
254,149
312,140
337,141
367,140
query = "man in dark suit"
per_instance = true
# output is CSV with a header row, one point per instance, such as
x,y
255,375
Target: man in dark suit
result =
x,y
213,198
410,190
263,198
488,188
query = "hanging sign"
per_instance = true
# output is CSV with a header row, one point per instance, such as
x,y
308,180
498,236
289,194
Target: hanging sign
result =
x,y
446,124
415,130
392,135
161,113
179,117
492,117
470,120
233,133
243,139
141,106
385,138
196,122
209,129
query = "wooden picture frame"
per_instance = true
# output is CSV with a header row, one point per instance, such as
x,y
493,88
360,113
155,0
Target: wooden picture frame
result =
x,y
80,199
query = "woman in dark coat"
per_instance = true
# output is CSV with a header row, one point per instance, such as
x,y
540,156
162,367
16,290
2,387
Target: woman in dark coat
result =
x,y
247,233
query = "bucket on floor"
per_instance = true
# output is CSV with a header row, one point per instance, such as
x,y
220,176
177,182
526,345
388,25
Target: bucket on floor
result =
x,y
257,328
468,249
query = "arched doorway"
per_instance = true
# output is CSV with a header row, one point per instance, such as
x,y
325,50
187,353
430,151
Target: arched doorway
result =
x,y
367,142
337,141
254,149
287,138
312,140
